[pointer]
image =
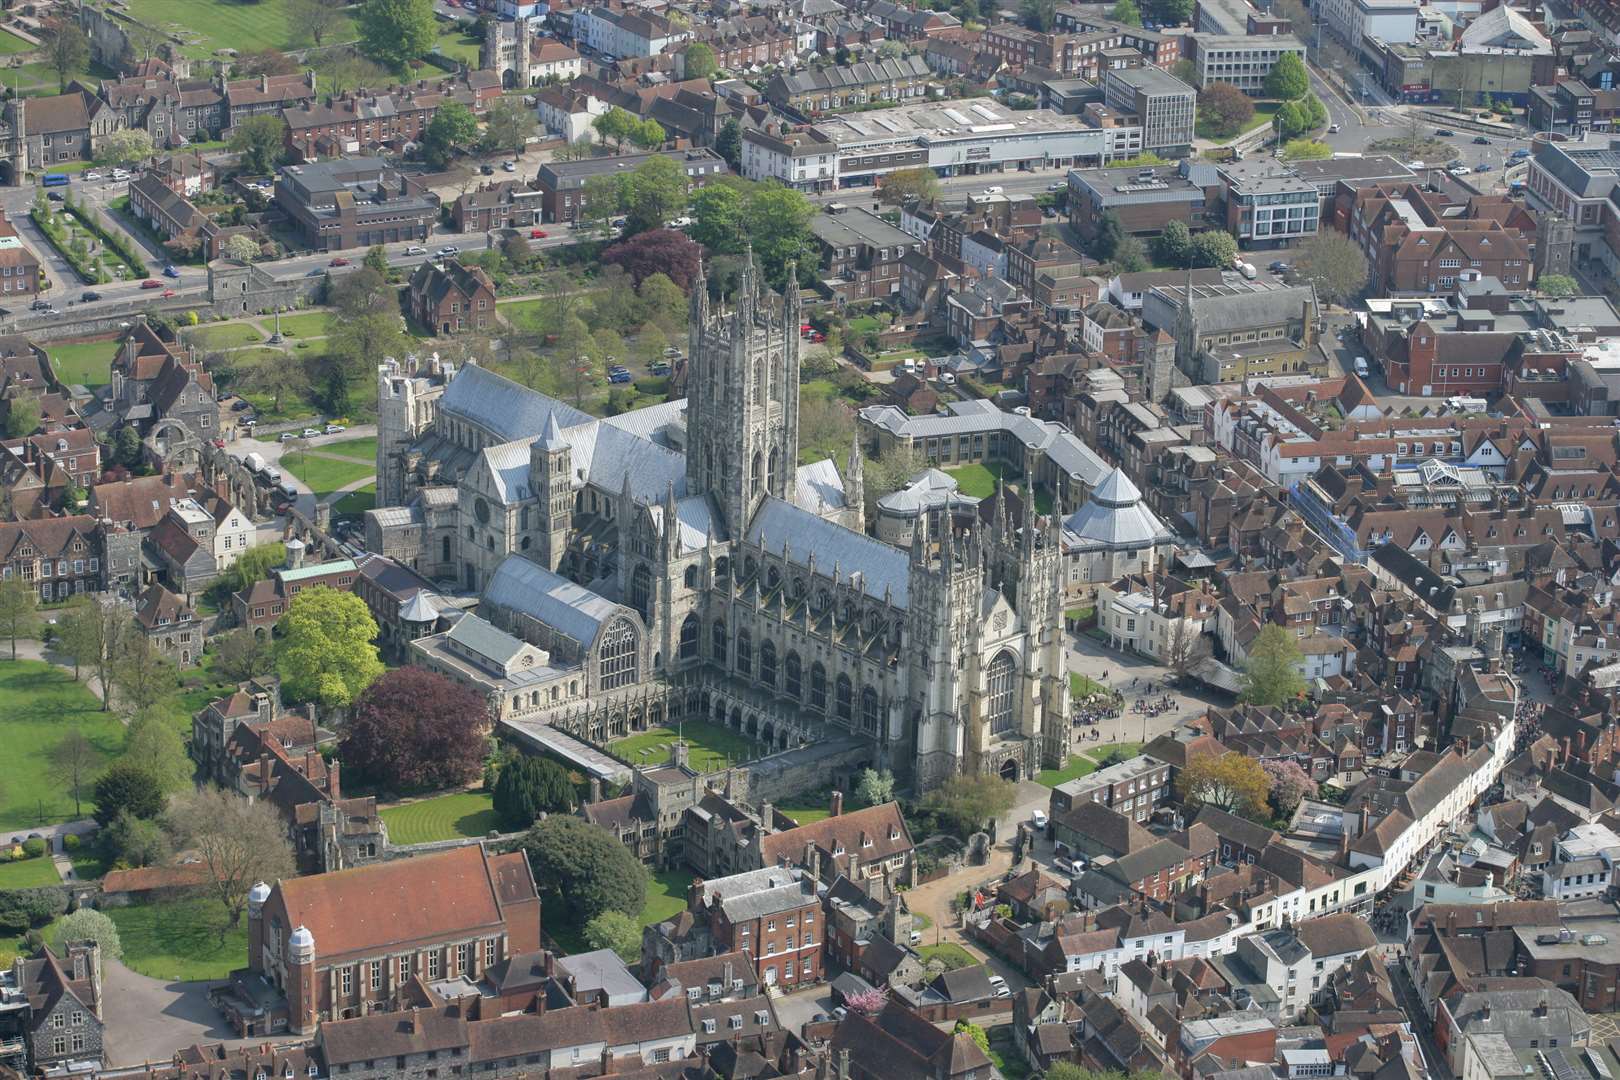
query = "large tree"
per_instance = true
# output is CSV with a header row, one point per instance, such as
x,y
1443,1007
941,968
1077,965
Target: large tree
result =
x,y
971,801
700,61
126,788
654,192
1557,285
241,654
88,924
258,140
92,633
313,20
1290,784
395,32
1288,79
327,652
1126,11
717,217
451,131
121,147
657,251
617,931
1334,264
583,870
1038,14
153,742
1173,245
919,182
778,224
1232,782
238,841
23,415
74,763
1215,247
1224,109
509,123
241,248
617,125
143,674
19,610
728,144
1272,675
414,729
529,786
67,49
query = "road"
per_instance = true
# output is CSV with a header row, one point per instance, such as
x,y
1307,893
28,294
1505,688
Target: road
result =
x,y
271,448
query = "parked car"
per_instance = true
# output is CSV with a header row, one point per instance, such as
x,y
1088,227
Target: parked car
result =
x,y
339,261
448,250
333,429
1484,166
508,166
1519,155
1278,267
1444,133
286,436
120,174
41,304
241,404
994,189
658,367
54,196
1480,140
248,421
89,296
151,283
416,249
1062,865
537,234
310,433
1056,185
487,169
91,174
1333,129
1039,819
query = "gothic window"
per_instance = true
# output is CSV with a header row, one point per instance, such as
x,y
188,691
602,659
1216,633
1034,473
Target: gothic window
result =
x,y
722,567
776,470
818,686
999,700
795,675
617,663
756,473
641,591
691,577
869,711
719,642
745,652
767,662
846,693
689,637
523,518
773,577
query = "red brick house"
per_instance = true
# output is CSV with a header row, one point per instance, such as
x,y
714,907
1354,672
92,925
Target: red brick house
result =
x,y
19,269
773,915
452,298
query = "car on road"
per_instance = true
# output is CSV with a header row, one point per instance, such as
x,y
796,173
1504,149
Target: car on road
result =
x,y
1480,140
54,196
1444,133
487,169
317,272
151,283
92,174
416,249
41,304
167,293
89,296
339,261
333,429
1334,129
1519,155
1056,185
994,189
509,166
170,270
538,234
1039,819
310,433
286,436
448,250
1459,170
120,174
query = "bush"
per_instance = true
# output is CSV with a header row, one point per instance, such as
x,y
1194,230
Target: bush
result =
x,y
88,924
33,847
71,842
22,908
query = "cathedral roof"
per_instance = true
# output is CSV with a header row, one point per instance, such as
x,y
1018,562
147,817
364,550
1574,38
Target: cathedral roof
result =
x,y
881,567
528,587
697,521
509,409
1114,518
818,487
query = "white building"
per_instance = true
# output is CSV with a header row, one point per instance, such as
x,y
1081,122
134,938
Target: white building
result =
x,y
1241,60
1392,21
1133,620
806,159
625,33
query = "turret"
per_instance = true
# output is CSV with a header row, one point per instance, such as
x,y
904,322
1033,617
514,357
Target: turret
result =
x,y
855,487
303,996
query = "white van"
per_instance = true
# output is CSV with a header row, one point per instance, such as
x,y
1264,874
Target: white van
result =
x,y
1361,366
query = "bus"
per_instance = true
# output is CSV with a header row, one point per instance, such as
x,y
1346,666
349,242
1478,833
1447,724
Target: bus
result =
x,y
55,179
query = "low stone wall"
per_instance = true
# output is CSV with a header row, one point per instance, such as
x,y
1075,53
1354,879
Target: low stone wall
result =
x,y
807,768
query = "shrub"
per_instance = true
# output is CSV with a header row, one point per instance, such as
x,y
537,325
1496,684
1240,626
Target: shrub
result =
x,y
71,842
33,847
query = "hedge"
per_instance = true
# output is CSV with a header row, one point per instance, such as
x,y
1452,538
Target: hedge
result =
x,y
116,242
87,268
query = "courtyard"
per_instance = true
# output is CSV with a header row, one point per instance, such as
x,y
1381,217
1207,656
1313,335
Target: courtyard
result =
x,y
709,746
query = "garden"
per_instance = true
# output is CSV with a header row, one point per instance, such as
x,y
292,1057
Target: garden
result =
x,y
88,363
40,705
324,475
709,746
96,254
443,817
187,939
241,27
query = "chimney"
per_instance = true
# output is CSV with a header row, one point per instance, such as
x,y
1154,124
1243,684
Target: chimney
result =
x,y
837,806
264,772
767,815
694,895
1362,818
1451,922
334,782
726,986
551,964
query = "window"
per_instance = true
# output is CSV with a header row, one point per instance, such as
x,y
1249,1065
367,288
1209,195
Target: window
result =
x,y
434,963
346,980
818,686
794,675
463,958
376,975
718,643
617,664
999,700
869,710
689,638
845,694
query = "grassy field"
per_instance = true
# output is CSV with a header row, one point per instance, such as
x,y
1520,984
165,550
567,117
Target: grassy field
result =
x,y
809,808
362,449
979,481
87,362
666,896
225,336
309,324
458,46
243,27
29,873
356,502
447,817
180,939
11,44
1084,686
325,475
1079,765
523,314
710,746
38,79
950,954
39,703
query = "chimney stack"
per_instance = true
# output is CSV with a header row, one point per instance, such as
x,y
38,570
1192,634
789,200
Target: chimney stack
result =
x,y
334,781
837,806
264,772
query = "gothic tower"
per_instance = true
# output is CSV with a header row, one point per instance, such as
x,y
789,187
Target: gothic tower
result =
x,y
943,636
742,398
550,477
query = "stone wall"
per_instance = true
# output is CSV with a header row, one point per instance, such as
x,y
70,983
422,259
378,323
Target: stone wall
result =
x,y
807,768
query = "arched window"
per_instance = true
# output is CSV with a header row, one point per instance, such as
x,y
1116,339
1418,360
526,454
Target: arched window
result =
x,y
818,686
999,697
523,518
689,637
795,676
767,662
846,691
641,591
745,652
757,471
776,469
616,665
869,711
691,577
718,643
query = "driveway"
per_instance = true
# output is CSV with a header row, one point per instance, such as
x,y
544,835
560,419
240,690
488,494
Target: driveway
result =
x,y
149,1019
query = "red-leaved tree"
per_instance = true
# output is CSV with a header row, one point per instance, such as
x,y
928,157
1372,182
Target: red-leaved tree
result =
x,y
657,251
414,730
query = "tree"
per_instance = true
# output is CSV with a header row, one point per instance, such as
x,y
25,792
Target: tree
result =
x,y
342,70
530,786
1185,648
1186,71
126,788
326,652
1038,14
616,124
74,762
920,182
1130,255
1271,675
1169,13
1108,234
516,250
1224,109
700,61
1288,80
451,131
578,150
617,931
1290,784
1306,150
648,135
313,20
868,1002
654,192
241,655
129,144
778,223
267,61
395,32
601,197
1289,120
241,248
873,788
19,610
1126,11
143,40
1334,264
1559,285
583,870
258,140
252,565
972,801
127,446
1231,782
1172,246
153,742
728,144
1215,248
668,252
143,674
67,49
663,302
414,729
355,342
509,124
92,633
968,1027
238,842
23,415
717,217
376,261
88,924
134,841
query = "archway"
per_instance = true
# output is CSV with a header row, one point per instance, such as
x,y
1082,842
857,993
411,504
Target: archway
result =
x,y
752,727
1009,770
509,79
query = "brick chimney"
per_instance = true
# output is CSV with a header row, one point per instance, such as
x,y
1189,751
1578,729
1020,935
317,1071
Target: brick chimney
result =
x,y
264,773
837,804
334,781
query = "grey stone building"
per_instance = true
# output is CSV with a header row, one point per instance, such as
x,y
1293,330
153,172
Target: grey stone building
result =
x,y
50,1011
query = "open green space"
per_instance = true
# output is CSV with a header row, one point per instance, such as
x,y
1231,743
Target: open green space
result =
x,y
1263,112
523,314
1079,765
185,939
225,335
709,746
207,25
361,449
87,865
666,896
457,44
1122,750
325,475
29,873
979,481
309,324
86,362
39,704
38,79
11,44
356,502
1083,686
949,953
444,817
808,808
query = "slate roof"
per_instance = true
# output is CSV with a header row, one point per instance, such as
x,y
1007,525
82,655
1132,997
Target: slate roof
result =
x,y
883,568
1114,518
497,404
525,586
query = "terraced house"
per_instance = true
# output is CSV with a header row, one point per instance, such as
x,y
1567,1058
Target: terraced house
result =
x,y
813,91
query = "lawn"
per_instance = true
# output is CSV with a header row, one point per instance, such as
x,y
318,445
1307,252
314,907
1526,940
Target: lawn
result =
x,y
666,896
180,939
458,45
225,336
979,481
87,362
309,324
1079,765
325,475
949,953
11,44
524,314
87,865
38,79
29,873
446,817
809,808
711,746
356,502
40,703
243,27
1263,112
361,449
1084,686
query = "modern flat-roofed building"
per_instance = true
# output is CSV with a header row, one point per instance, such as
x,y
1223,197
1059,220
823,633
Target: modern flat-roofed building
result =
x,y
354,202
1144,200
1242,60
1165,107
1269,207
562,183
1355,21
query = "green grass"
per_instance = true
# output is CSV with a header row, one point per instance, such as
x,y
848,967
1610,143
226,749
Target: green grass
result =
x,y
207,25
38,79
809,808
225,336
11,44
356,502
87,362
40,703
87,865
666,896
524,314
1081,613
1082,686
863,324
180,939
1123,749
1079,765
949,953
979,481
1263,112
361,449
458,45
447,817
709,746
29,873
309,324
921,922
325,475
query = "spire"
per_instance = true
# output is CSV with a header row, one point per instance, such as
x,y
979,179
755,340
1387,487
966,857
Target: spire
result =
x,y
1001,511
672,524
747,296
552,438
855,486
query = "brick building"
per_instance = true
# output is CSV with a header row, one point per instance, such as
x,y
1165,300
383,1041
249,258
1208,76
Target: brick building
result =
x,y
860,253
562,183
772,915
62,556
1144,200
1418,243
453,297
19,269
354,202
508,204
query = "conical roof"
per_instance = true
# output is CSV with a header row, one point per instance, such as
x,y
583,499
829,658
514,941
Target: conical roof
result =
x,y
551,438
419,609
1114,518
1117,490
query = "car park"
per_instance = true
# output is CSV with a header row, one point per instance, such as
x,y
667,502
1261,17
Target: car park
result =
x,y
1278,267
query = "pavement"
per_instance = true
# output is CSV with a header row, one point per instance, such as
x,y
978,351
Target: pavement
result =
x,y
1095,660
271,450
147,1019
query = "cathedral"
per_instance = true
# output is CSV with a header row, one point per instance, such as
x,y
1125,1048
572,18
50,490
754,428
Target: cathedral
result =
x,y
677,562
